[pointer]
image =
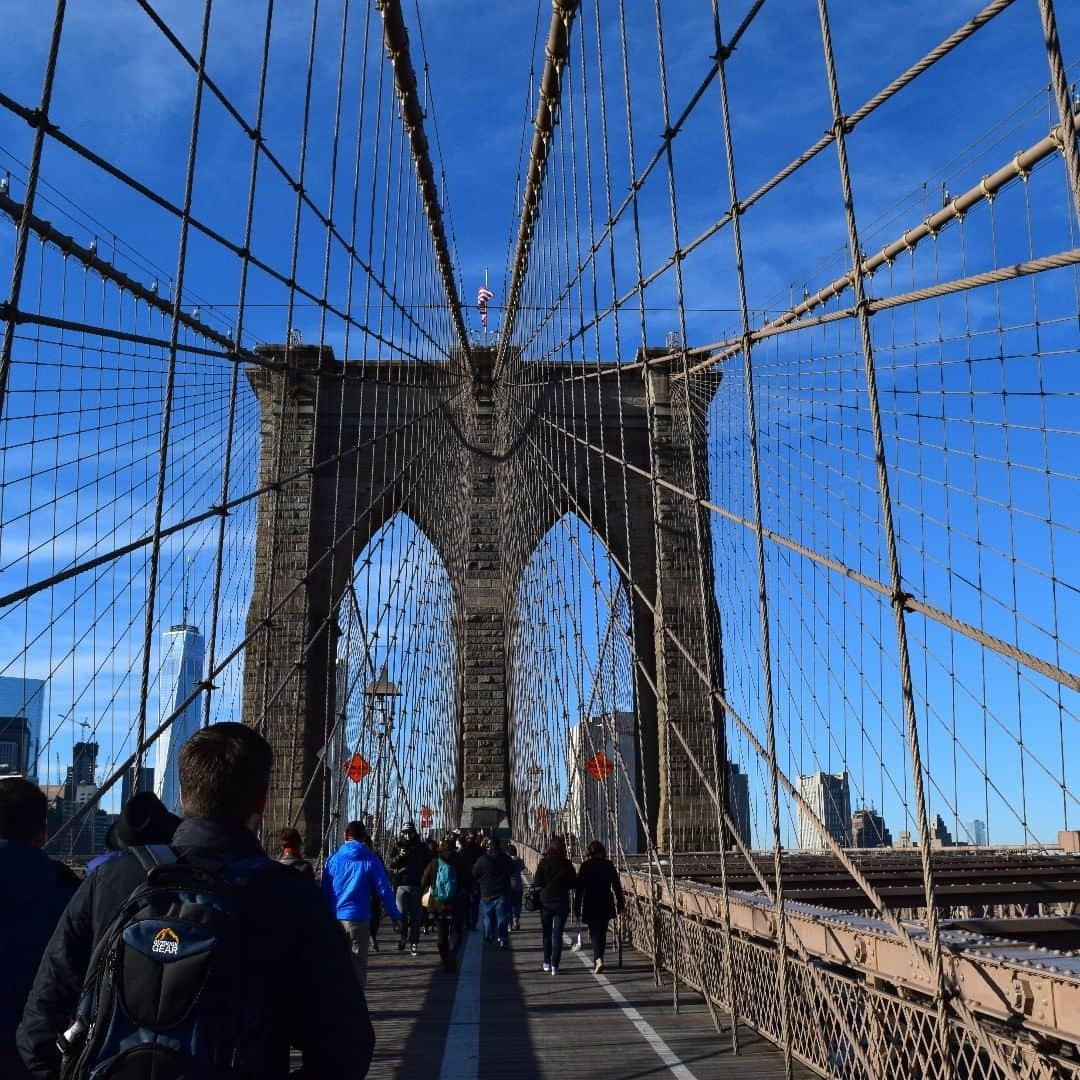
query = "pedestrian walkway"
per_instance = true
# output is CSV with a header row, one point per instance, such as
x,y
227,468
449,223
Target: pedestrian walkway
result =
x,y
501,1017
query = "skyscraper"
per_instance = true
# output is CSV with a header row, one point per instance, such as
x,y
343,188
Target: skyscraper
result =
x,y
829,797
978,833
82,769
601,798
939,833
21,703
181,671
739,801
868,829
127,783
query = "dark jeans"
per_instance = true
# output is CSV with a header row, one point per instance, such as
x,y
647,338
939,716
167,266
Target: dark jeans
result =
x,y
552,922
598,936
516,897
408,902
495,917
474,908
447,925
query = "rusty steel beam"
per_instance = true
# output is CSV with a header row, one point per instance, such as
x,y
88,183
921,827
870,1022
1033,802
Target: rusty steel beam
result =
x,y
978,877
396,40
556,54
1027,988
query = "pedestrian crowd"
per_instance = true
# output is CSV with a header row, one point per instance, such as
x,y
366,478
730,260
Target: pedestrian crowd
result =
x,y
187,950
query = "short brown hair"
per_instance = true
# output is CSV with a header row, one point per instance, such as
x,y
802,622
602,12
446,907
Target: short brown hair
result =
x,y
357,830
23,810
291,838
224,773
556,849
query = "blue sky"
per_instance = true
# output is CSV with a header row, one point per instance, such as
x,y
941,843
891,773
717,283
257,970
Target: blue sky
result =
x,y
123,92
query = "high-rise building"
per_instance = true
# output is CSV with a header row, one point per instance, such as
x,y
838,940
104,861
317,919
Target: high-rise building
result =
x,y
127,783
978,833
181,672
21,705
14,745
868,829
739,801
88,837
82,770
602,770
829,798
939,833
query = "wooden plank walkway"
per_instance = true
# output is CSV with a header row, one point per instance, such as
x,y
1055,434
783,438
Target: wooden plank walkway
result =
x,y
526,1025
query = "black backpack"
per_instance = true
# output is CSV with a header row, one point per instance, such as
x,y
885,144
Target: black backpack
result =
x,y
172,991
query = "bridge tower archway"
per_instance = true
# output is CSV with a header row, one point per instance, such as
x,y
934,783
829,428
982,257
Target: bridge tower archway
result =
x,y
461,499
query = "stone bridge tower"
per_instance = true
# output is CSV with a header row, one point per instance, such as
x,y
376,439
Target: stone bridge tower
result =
x,y
364,423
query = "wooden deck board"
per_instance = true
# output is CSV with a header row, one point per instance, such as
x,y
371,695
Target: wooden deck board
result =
x,y
538,1027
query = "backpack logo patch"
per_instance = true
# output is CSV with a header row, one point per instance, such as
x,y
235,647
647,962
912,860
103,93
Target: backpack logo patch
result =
x,y
166,943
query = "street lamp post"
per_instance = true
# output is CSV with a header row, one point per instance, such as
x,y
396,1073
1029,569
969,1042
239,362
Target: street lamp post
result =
x,y
380,696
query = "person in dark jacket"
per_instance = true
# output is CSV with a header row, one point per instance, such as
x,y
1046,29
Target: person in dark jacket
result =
x,y
597,898
556,878
491,874
407,865
315,1002
444,912
34,890
470,852
292,854
517,886
465,885
143,820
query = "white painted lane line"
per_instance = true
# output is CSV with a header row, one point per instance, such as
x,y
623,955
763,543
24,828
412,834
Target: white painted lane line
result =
x,y
646,1030
461,1057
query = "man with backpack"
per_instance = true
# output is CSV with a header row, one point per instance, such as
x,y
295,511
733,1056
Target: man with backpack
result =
x,y
202,958
441,893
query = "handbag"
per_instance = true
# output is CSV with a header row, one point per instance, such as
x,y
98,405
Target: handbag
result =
x,y
531,900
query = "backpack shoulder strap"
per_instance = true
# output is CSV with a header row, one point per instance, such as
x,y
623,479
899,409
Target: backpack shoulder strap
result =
x,y
241,869
152,855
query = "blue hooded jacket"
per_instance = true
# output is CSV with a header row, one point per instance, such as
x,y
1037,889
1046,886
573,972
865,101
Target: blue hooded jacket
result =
x,y
34,890
348,878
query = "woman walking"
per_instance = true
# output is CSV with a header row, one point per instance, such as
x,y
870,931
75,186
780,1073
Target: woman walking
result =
x,y
441,889
517,886
556,878
598,897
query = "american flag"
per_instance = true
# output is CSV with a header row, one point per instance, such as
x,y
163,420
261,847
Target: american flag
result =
x,y
483,295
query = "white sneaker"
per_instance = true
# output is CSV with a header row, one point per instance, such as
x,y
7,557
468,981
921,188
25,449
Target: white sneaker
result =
x,y
554,970
598,966
545,966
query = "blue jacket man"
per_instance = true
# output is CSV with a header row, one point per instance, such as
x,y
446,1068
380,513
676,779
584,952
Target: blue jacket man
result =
x,y
34,890
348,878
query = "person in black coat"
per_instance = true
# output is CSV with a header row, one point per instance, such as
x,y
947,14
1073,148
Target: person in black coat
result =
x,y
407,866
492,874
556,878
34,890
292,854
598,897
